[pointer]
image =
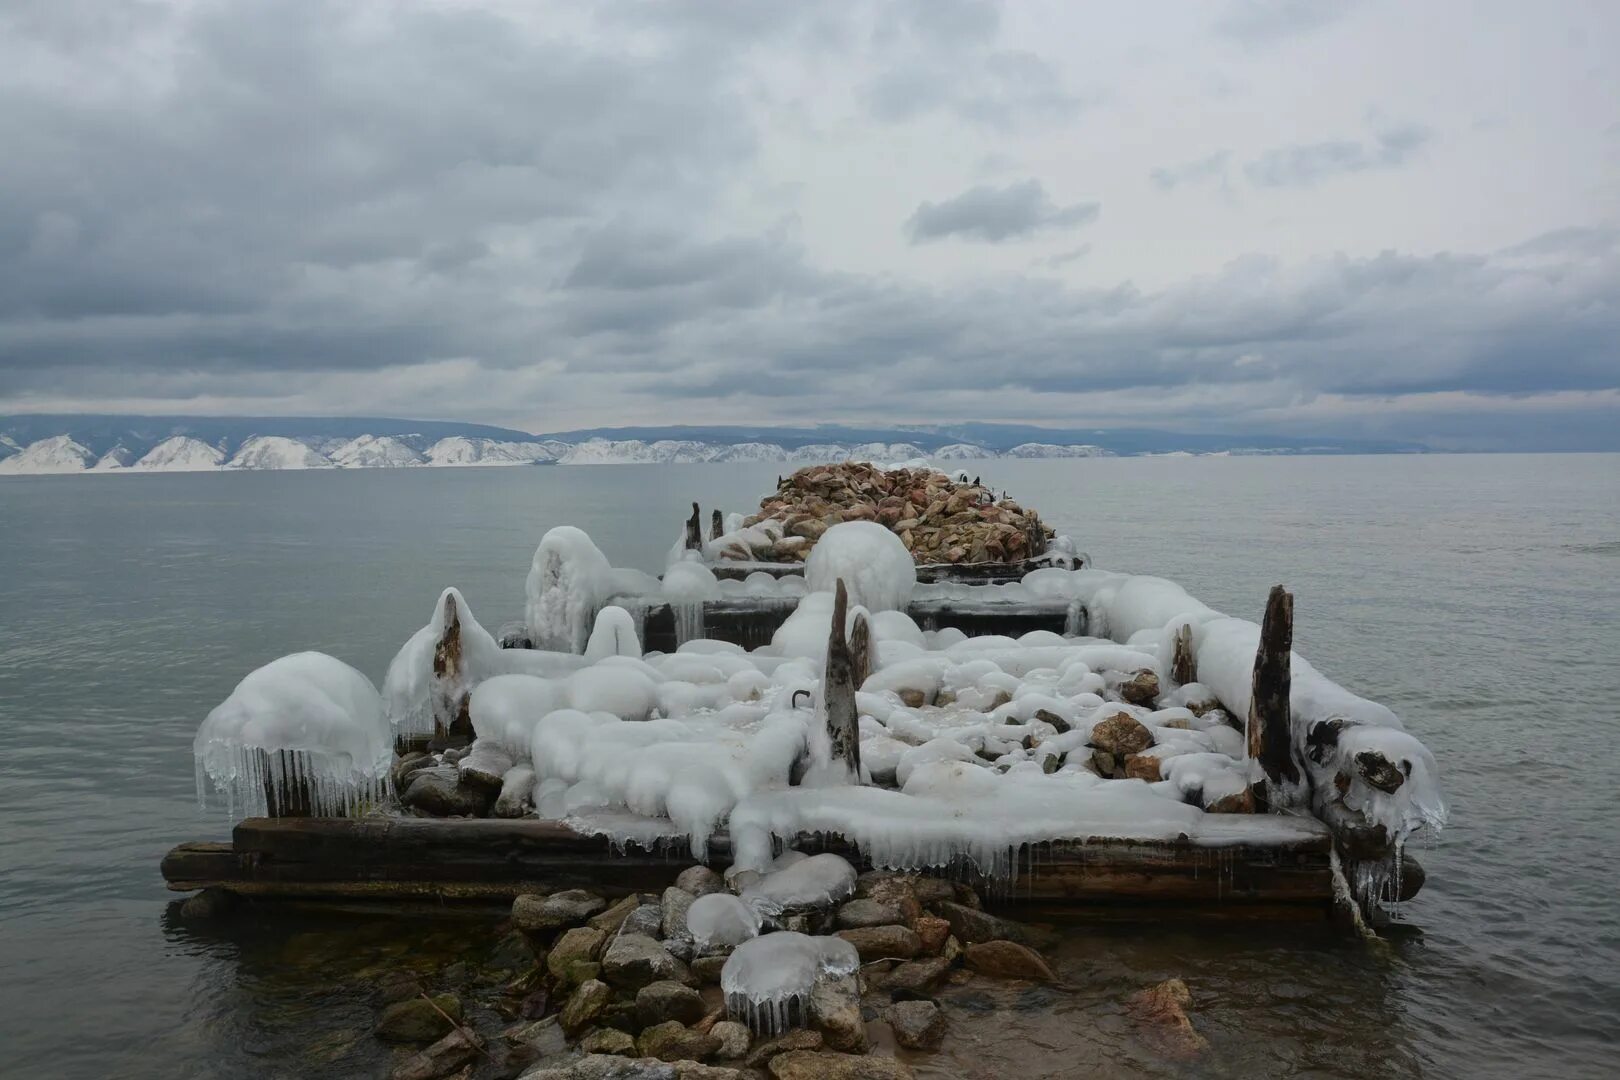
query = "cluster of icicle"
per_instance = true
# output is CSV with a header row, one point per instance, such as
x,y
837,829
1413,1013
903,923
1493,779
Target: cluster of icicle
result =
x,y
767,981
259,783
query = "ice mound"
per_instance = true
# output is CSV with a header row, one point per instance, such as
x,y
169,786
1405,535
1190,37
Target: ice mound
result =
x,y
304,724
816,881
613,635
767,980
873,563
568,581
425,680
720,918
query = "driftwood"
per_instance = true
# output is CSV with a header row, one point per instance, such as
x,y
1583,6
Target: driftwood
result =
x,y
694,529
1183,668
838,690
717,525
452,726
1270,732
1252,875
860,650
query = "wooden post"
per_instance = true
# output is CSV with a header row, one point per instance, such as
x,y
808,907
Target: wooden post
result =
x,y
1182,667
694,529
292,800
451,723
717,525
860,650
1269,723
838,690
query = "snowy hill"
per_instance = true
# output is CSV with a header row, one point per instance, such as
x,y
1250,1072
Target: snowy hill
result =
x,y
58,454
277,452
180,453
1049,450
461,450
376,452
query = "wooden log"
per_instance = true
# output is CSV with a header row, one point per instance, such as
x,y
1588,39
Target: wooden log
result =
x,y
717,525
292,798
1270,734
1183,668
694,529
1253,872
838,690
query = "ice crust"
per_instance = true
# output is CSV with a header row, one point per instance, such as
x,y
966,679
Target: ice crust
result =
x,y
306,720
767,980
815,881
719,918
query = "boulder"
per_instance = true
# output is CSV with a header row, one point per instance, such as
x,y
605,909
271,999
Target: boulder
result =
x,y
211,903
577,947
1007,960
646,919
584,1005
606,1067
915,976
883,942
674,1041
608,1041
418,1020
666,1000
1142,767
932,932
972,924
610,920
541,1038
675,902
485,767
1141,688
734,1039
796,1039
1058,723
917,1025
835,1011
706,970
813,1065
1121,735
1162,1011
861,913
700,881
631,961
545,914
444,1057
440,792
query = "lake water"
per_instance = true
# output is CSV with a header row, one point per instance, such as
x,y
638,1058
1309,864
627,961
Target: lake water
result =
x,y
1477,596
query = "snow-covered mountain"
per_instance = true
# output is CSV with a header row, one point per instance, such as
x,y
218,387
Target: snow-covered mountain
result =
x,y
278,452
180,453
119,457
375,452
1049,450
463,450
58,454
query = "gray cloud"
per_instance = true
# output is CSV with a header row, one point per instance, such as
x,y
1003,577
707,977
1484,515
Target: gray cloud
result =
x,y
1305,165
993,214
1260,22
1201,170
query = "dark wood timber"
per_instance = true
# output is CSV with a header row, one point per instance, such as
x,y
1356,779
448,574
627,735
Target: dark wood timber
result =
x,y
1252,874
1269,728
860,650
1182,667
838,690
694,529
717,525
452,726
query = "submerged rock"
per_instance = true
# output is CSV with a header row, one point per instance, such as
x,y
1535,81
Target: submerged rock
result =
x,y
674,1041
917,1025
971,924
915,976
211,903
813,1065
835,1011
450,1053
1007,960
1162,1010
418,1019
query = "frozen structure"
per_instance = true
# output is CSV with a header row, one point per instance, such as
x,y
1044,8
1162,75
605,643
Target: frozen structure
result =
x,y
720,918
767,980
304,734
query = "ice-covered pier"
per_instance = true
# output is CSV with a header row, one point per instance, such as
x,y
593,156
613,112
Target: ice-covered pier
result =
x,y
893,665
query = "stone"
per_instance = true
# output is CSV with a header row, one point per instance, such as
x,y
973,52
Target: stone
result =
x,y
973,924
577,945
835,1011
665,1000
811,1065
440,792
608,1041
1007,960
610,920
486,768
1162,1010
734,1039
917,1025
1061,725
605,1067
646,919
512,952
516,797
1142,767
915,976
1121,734
447,1055
211,903
584,1005
545,914
631,961
675,903
397,986
883,942
1104,764
1239,802
700,881
674,1041
797,1039
417,1020
914,699
932,932
543,1038
1141,689
706,969
861,913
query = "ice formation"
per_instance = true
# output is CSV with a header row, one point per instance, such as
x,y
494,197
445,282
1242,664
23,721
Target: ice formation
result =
x,y
426,680
767,980
304,727
568,582
873,563
719,918
613,635
816,881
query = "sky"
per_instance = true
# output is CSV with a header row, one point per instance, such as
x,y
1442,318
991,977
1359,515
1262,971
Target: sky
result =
x,y
1371,219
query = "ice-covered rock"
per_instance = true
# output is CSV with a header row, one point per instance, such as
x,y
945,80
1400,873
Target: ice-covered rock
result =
x,y
767,980
304,729
719,918
873,563
568,582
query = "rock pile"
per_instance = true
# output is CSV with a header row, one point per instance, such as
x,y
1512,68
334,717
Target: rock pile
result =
x,y
939,519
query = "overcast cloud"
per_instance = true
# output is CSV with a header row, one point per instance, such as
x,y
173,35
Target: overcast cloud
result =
x,y
1369,219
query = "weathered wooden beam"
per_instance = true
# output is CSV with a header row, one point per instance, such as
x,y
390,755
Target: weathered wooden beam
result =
x,y
452,726
1253,871
860,650
1183,668
838,690
717,525
1270,735
694,529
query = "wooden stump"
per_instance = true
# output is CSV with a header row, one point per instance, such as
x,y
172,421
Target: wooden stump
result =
x,y
838,690
717,525
694,529
1270,735
1183,668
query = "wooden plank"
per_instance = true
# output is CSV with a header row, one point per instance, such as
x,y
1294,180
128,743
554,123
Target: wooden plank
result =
x,y
472,858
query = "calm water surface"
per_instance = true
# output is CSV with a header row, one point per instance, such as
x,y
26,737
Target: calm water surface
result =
x,y
1478,596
